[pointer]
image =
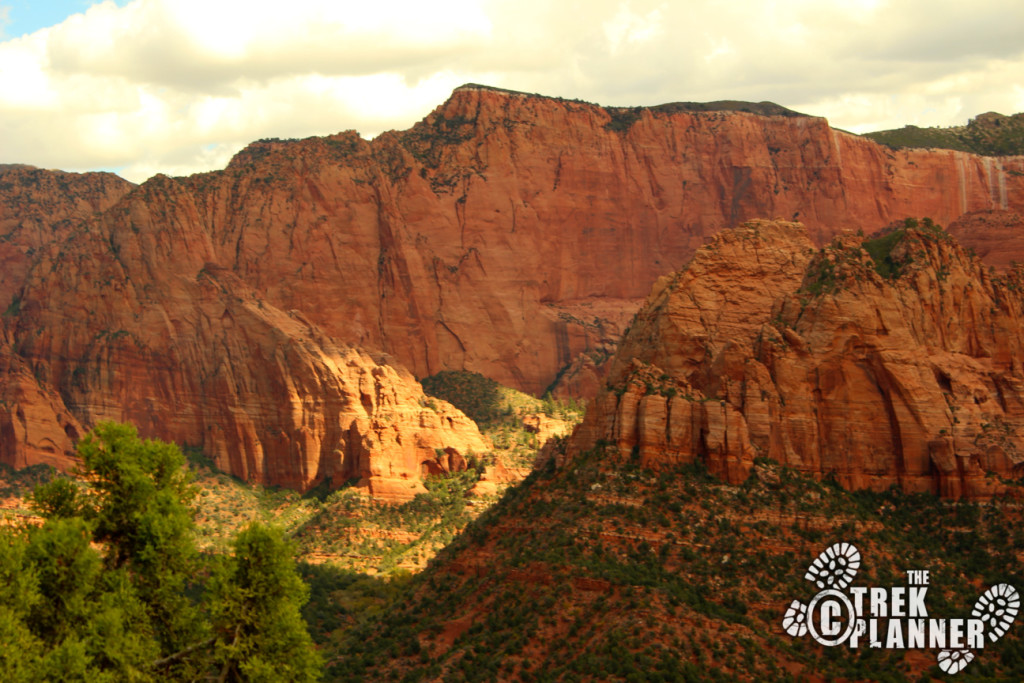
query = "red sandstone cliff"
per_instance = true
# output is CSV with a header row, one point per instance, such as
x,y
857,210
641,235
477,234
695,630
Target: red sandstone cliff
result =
x,y
508,234
38,208
997,237
129,319
764,346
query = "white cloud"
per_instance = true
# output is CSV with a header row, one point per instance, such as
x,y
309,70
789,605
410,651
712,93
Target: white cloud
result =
x,y
207,45
177,86
627,28
24,82
720,49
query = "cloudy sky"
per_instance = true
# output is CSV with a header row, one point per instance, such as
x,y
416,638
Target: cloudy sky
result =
x,y
178,86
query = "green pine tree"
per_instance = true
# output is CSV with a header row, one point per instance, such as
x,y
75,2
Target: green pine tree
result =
x,y
258,593
101,591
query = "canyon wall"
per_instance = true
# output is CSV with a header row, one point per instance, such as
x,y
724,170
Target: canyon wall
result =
x,y
129,318
514,235
260,311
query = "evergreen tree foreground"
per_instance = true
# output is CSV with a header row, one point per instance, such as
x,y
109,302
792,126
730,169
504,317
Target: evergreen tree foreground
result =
x,y
111,588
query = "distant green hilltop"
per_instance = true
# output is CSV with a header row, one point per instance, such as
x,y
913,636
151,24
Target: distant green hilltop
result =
x,y
989,134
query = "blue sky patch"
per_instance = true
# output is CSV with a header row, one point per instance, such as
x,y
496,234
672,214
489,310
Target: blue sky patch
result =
x,y
28,16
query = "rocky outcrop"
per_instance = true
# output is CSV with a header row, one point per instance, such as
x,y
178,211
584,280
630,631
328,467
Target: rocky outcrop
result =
x,y
890,361
39,208
496,477
36,428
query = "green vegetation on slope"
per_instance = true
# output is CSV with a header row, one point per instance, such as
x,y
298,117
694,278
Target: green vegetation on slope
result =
x,y
347,529
499,412
344,527
607,571
880,248
893,251
226,504
490,404
623,118
354,532
990,134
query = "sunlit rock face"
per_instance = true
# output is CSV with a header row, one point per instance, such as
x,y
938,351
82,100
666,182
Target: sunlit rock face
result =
x,y
130,318
766,346
246,311
511,234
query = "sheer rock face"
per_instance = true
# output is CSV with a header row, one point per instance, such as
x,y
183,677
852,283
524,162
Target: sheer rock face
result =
x,y
507,234
38,209
764,346
997,237
130,319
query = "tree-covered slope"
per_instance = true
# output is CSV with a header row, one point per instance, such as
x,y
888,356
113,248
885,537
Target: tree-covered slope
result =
x,y
989,134
609,571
